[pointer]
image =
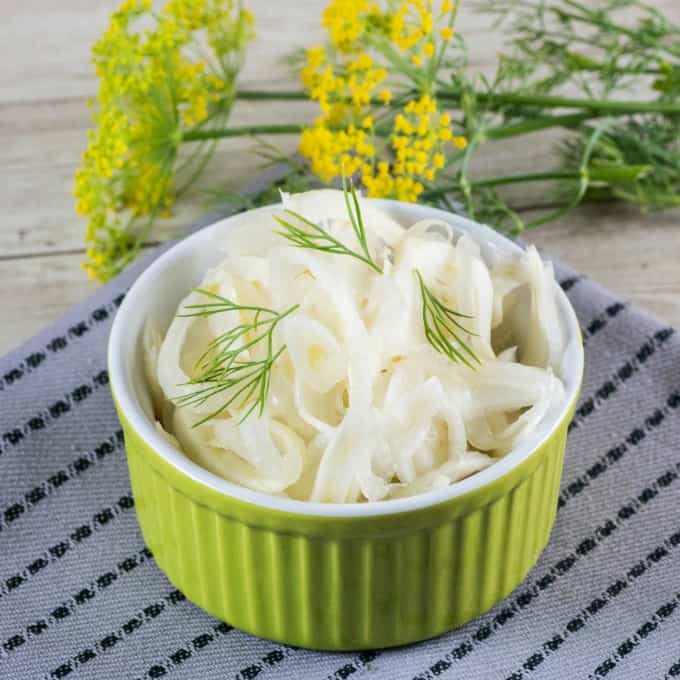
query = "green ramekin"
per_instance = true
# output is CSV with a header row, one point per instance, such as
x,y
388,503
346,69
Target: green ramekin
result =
x,y
333,576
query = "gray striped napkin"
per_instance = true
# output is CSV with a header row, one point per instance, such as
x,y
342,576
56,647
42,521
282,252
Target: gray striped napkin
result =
x,y
81,596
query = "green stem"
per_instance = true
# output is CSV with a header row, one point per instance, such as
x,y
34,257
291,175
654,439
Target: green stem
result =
x,y
594,109
526,177
281,95
567,120
602,106
622,173
542,123
436,63
242,131
608,106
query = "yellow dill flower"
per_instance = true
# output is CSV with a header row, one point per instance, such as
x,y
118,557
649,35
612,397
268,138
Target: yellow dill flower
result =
x,y
419,133
151,90
361,62
316,56
131,6
446,33
412,24
332,153
396,152
346,21
354,84
416,148
402,124
385,96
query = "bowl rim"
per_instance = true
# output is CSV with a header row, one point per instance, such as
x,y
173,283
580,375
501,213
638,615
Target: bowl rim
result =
x,y
120,376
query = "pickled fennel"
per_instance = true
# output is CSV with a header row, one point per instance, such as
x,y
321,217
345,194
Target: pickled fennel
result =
x,y
297,370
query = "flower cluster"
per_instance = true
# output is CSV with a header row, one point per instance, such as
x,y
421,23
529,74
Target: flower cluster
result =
x,y
151,91
378,56
419,134
342,98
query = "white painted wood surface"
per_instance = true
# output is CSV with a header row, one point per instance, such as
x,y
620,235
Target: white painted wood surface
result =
x,y
46,79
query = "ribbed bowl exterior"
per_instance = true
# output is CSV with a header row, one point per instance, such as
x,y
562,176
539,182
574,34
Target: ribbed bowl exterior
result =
x,y
342,583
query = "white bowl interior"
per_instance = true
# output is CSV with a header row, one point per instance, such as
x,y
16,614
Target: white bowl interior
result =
x,y
157,293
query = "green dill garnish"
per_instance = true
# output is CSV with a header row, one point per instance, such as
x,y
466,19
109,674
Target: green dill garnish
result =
x,y
310,235
227,365
442,328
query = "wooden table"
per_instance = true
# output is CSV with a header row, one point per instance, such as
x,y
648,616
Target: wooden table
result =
x,y
46,79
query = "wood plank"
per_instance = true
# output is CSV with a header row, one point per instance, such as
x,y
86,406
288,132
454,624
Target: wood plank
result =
x,y
633,254
36,291
76,24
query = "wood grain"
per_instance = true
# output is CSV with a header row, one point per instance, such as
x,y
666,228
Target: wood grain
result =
x,y
634,255
46,79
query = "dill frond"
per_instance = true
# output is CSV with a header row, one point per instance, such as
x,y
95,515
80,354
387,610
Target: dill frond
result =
x,y
443,329
228,366
312,236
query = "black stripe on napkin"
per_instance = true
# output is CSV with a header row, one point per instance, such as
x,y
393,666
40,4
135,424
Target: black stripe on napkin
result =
x,y
568,283
265,662
618,451
77,537
110,640
626,371
83,596
362,661
58,343
609,594
601,320
630,644
186,651
18,508
628,510
673,671
41,419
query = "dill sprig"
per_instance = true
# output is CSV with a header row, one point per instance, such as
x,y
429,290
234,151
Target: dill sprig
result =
x,y
314,237
566,65
636,160
227,366
442,328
